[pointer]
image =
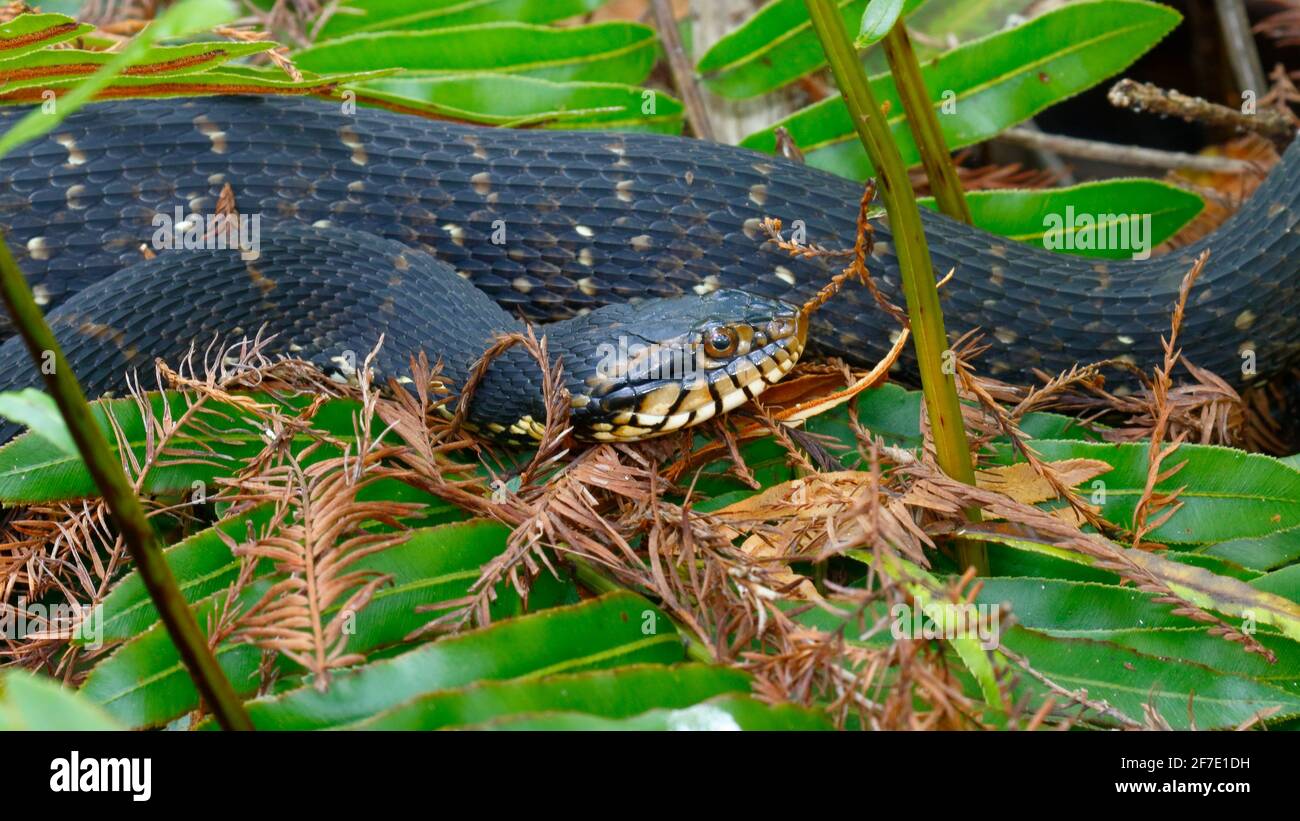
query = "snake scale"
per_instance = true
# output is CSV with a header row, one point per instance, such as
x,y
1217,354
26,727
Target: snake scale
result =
x,y
552,225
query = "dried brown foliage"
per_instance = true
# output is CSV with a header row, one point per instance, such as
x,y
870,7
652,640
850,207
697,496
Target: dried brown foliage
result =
x,y
1282,25
986,177
626,515
319,538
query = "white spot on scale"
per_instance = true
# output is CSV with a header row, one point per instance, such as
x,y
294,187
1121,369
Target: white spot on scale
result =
x,y
345,364
37,248
584,231
352,140
75,155
710,284
785,275
213,132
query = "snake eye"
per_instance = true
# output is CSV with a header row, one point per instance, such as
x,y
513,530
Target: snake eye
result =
x,y
719,341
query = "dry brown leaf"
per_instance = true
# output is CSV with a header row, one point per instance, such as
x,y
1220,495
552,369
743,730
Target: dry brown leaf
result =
x,y
1023,483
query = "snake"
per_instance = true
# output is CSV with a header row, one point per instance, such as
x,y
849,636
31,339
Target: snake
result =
x,y
645,255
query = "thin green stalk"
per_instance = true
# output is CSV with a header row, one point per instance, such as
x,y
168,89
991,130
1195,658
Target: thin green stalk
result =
x,y
915,267
935,155
120,497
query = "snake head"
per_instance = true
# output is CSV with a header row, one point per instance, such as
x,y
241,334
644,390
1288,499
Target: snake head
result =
x,y
665,364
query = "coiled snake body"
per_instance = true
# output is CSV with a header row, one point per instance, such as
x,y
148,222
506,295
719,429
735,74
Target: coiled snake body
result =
x,y
550,225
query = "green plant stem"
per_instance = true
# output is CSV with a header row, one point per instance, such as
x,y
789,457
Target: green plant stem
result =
x,y
918,107
120,497
593,580
915,268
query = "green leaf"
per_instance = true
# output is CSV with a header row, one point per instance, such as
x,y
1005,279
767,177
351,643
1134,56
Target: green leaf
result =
x,y
1194,645
1262,553
617,693
597,634
920,584
775,46
724,713
158,61
143,683
1229,494
1133,619
31,702
961,20
514,100
395,15
611,52
1078,609
31,32
434,564
1182,693
1284,583
891,413
228,79
185,17
202,565
1198,585
33,470
879,17
38,411
989,84
1077,218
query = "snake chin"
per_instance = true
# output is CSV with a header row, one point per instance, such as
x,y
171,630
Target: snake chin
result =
x,y
690,359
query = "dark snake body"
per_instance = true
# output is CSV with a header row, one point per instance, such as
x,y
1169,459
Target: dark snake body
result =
x,y
550,223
